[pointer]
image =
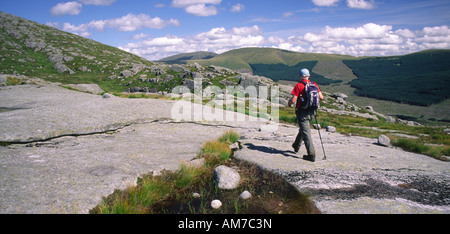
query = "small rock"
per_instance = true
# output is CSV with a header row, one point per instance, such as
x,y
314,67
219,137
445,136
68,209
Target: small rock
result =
x,y
226,177
126,73
316,126
331,129
234,146
340,95
196,195
245,195
384,140
107,95
369,108
216,204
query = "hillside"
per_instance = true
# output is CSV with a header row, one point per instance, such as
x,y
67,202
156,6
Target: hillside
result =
x,y
183,58
243,58
36,50
420,78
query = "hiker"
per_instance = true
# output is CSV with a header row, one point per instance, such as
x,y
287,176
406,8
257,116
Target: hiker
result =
x,y
304,115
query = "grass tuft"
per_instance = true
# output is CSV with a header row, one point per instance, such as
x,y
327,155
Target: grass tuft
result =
x,y
171,192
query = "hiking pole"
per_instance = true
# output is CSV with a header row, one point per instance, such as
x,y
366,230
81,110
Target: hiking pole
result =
x,y
324,155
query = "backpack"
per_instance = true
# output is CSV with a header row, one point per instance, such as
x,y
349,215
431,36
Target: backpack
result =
x,y
311,100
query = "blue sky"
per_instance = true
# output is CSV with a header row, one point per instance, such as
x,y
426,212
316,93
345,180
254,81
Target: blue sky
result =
x,y
155,29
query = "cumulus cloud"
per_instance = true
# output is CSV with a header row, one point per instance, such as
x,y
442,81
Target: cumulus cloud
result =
x,y
128,23
368,40
74,8
216,40
133,22
361,4
68,8
198,7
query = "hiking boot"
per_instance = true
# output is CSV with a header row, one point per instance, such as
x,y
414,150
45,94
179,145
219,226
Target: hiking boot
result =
x,y
311,158
296,149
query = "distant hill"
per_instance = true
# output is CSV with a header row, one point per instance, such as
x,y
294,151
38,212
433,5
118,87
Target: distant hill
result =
x,y
36,50
183,58
421,78
243,58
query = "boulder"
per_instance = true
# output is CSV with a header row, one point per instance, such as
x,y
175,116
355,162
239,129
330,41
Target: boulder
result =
x,y
126,73
384,140
87,88
369,108
61,68
340,95
331,129
107,95
226,177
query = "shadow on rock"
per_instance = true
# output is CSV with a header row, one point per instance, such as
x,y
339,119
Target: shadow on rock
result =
x,y
270,150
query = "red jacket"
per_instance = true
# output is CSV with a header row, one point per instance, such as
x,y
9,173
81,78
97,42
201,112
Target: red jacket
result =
x,y
299,90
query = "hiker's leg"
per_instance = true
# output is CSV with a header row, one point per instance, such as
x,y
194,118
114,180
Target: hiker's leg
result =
x,y
306,134
298,140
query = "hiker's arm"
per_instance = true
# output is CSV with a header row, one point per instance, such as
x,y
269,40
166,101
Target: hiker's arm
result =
x,y
292,101
321,96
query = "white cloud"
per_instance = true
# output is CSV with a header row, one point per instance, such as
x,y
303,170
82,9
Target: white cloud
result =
x,y
326,3
68,8
216,40
126,23
133,22
140,36
74,8
361,4
201,10
405,33
434,37
367,40
369,30
97,2
185,3
198,7
358,4
237,8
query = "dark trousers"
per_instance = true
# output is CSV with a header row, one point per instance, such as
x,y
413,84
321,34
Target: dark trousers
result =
x,y
304,118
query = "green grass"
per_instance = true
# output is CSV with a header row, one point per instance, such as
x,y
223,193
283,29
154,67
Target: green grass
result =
x,y
171,192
